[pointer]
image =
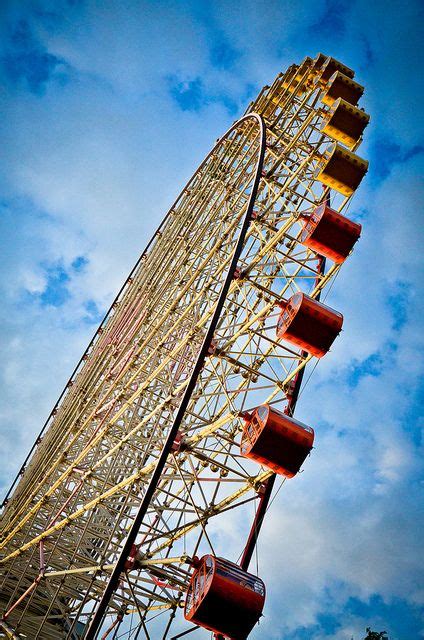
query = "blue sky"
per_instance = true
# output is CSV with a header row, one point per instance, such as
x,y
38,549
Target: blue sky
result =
x,y
107,108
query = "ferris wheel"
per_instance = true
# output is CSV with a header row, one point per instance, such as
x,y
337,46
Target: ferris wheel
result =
x,y
137,511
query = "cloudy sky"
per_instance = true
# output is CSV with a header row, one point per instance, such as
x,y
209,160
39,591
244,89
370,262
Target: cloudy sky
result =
x,y
107,108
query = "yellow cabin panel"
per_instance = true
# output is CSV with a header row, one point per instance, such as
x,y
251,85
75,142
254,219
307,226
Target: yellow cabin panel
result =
x,y
340,86
345,123
342,170
328,66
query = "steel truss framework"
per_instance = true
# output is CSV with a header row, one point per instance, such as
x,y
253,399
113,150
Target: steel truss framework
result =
x,y
187,346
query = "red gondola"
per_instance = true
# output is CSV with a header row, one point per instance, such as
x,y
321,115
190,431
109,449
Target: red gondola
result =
x,y
276,440
309,324
224,599
330,234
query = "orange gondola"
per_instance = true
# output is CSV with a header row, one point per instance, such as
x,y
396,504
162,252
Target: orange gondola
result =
x,y
330,234
309,324
276,440
223,598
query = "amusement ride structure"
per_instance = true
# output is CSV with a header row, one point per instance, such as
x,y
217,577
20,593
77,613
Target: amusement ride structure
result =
x,y
179,416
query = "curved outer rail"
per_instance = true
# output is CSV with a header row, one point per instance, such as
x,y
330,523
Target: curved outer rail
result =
x,y
114,579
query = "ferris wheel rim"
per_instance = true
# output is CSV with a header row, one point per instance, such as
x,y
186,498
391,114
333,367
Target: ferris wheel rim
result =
x,y
96,620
